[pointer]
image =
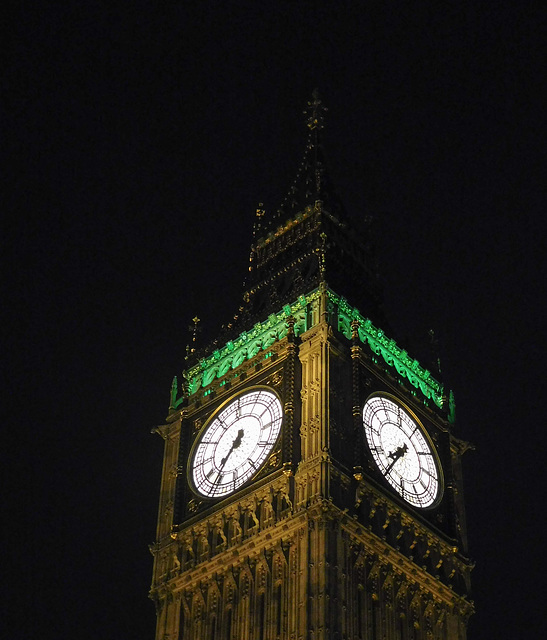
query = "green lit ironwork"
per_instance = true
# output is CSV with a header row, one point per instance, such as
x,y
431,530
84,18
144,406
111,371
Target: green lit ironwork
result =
x,y
249,343
392,355
275,328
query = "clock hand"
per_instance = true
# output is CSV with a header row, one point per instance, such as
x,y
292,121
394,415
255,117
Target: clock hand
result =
x,y
396,455
235,445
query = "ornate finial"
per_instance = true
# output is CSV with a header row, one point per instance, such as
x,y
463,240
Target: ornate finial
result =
x,y
315,112
434,343
174,391
193,328
257,226
321,253
451,408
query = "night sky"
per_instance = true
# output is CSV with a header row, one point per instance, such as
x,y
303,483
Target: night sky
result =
x,y
139,140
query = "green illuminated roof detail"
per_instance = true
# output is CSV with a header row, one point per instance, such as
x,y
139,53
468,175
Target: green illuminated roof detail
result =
x,y
249,343
380,344
275,328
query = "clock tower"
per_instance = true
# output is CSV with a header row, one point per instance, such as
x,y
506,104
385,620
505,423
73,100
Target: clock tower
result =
x,y
311,484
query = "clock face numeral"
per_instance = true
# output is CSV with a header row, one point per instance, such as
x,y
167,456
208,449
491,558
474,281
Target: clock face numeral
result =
x,y
402,452
235,443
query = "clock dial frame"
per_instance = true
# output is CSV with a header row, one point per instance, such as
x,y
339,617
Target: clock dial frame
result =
x,y
235,442
403,451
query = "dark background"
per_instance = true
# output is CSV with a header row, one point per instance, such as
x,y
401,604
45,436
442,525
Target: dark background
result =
x,y
139,140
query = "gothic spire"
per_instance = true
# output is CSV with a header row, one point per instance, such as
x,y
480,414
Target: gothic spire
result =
x,y
316,112
316,121
309,242
312,184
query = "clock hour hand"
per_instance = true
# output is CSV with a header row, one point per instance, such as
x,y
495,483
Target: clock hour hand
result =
x,y
395,455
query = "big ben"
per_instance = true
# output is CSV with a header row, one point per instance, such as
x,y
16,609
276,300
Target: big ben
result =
x,y
311,484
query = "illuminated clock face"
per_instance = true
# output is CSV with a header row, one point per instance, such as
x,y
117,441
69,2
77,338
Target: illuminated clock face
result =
x,y
402,451
235,443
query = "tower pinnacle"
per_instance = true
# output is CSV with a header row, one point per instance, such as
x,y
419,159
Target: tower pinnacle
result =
x,y
316,112
312,182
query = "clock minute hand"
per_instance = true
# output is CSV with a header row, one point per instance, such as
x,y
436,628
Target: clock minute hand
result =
x,y
235,445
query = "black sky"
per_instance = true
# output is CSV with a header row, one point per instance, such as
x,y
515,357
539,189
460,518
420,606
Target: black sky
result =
x,y
139,140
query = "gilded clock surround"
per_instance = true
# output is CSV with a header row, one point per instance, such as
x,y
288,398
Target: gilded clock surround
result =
x,y
235,442
402,450
315,545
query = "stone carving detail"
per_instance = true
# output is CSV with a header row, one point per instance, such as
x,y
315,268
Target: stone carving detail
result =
x,y
174,471
276,379
275,459
234,525
193,505
391,596
219,541
203,548
394,600
266,514
188,554
225,601
413,540
168,508
175,561
315,385
314,424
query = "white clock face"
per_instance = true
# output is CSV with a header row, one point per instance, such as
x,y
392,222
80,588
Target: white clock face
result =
x,y
235,443
402,451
